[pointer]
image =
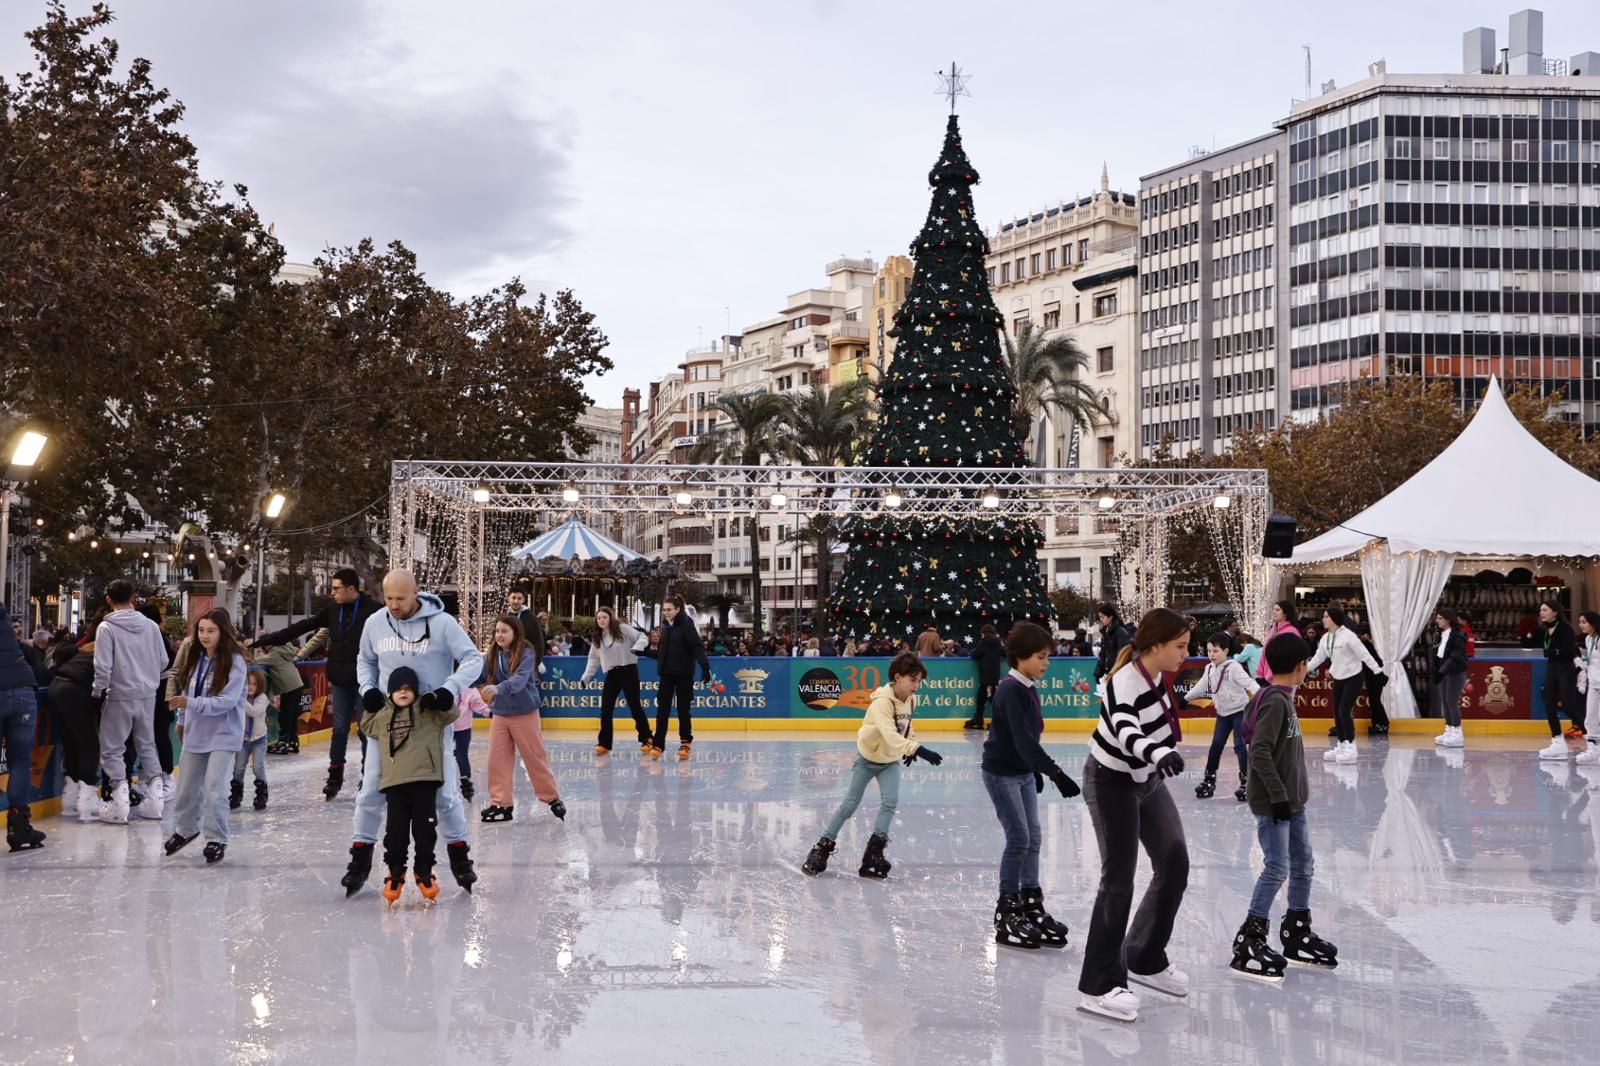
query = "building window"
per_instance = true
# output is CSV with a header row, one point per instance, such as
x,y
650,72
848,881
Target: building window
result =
x,y
1050,259
991,277
1083,250
1105,304
1052,317
1103,359
1019,324
1005,273
1019,265
1033,265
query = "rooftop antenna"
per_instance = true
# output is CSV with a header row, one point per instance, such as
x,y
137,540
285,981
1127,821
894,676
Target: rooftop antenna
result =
x,y
953,84
1307,48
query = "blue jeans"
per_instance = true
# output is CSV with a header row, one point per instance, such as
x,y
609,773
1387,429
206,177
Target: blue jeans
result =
x,y
888,775
254,751
19,712
1287,847
463,743
201,803
1227,723
343,698
370,803
1016,802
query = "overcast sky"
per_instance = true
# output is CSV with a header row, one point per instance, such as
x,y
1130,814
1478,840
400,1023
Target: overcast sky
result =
x,y
683,166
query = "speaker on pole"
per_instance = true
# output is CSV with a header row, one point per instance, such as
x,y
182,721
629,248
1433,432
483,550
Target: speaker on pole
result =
x,y
1279,540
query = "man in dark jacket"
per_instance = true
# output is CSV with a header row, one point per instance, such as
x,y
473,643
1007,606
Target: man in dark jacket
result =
x,y
344,620
19,711
517,607
989,654
1114,635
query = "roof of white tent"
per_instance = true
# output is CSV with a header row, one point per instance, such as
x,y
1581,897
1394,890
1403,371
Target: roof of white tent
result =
x,y
573,540
1494,491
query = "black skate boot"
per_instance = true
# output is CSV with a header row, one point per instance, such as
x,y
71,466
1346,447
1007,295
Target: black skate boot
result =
x,y
817,861
1012,927
1303,946
1052,934
558,809
360,868
467,791
461,865
1239,793
20,833
335,780
177,842
975,722
235,794
873,864
260,802
1207,786
214,852
1253,957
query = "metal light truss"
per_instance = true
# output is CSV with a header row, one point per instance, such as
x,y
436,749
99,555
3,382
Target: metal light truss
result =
x,y
1142,502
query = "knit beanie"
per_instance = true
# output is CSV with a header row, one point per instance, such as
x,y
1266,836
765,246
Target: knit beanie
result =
x,y
403,677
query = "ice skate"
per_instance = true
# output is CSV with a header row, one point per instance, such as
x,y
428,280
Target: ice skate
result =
x,y
88,803
601,750
394,883
683,751
360,868
493,813
461,865
467,789
335,780
873,864
973,723
1052,934
1119,1005
214,852
235,794
1346,753
1453,738
1207,786
20,833
1590,755
260,800
1332,753
114,811
1012,926
1172,981
1301,945
1253,957
817,861
558,809
156,791
1240,793
178,841
428,885
1557,750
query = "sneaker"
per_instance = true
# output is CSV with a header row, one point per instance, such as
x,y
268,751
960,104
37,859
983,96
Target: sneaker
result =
x,y
1589,756
1119,1004
1557,750
1172,981
1346,754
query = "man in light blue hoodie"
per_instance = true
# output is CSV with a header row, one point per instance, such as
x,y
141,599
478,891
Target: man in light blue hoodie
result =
x,y
130,656
414,631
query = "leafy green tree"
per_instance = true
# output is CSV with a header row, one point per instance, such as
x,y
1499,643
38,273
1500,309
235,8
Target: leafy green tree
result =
x,y
1047,374
750,433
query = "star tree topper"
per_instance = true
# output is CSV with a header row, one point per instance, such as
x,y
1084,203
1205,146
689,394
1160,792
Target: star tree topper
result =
x,y
953,84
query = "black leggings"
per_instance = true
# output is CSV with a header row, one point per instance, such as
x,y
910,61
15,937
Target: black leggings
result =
x,y
622,680
1375,697
680,686
289,717
1561,694
983,698
1345,693
411,817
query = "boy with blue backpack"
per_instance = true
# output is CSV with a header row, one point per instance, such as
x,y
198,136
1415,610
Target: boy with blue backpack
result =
x,y
1277,792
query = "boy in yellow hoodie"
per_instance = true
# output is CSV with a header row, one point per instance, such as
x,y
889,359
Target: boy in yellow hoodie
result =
x,y
883,741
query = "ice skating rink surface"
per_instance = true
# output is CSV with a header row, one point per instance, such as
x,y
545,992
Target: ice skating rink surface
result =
x,y
666,921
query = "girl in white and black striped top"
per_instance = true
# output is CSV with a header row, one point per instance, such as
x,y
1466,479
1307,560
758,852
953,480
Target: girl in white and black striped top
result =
x,y
1131,754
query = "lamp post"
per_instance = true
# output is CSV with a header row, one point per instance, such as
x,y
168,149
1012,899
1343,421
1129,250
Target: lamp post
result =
x,y
271,510
19,465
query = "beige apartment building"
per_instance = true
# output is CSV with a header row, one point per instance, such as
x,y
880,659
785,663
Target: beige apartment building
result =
x,y
1071,270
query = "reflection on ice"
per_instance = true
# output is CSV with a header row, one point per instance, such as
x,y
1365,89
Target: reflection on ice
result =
x,y
667,918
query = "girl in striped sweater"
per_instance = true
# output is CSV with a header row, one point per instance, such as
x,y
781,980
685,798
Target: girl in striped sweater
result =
x,y
1131,754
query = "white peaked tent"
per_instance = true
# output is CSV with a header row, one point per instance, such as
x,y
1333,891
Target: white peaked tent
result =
x,y
1494,491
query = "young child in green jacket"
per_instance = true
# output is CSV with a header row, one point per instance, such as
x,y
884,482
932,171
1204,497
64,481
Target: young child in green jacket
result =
x,y
410,744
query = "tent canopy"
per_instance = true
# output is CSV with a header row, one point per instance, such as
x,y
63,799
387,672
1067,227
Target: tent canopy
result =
x,y
1494,491
573,540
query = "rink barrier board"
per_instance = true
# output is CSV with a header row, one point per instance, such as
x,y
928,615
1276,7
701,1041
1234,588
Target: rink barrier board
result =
x,y
830,694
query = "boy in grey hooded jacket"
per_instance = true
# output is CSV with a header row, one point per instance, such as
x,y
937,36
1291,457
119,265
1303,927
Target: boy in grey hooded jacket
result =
x,y
130,656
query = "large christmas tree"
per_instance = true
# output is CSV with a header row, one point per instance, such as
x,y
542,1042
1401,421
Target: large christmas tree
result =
x,y
945,401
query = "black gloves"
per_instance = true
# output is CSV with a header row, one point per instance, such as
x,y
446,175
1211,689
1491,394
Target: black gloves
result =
x,y
1171,764
440,699
929,755
1282,811
372,700
1067,785
1038,783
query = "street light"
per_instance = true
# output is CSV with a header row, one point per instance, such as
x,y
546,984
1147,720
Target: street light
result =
x,y
24,455
892,498
274,507
271,510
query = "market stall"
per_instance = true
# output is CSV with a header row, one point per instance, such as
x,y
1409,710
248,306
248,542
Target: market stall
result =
x,y
1496,511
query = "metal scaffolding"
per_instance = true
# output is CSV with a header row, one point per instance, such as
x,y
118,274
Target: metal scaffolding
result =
x,y
462,498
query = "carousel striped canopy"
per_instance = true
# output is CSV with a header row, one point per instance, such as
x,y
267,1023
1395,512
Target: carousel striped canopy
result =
x,y
573,540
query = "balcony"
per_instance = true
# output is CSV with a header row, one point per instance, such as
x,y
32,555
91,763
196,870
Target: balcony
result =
x,y
848,333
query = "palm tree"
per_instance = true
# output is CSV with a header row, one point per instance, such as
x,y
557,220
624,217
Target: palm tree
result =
x,y
749,432
722,603
826,429
1046,372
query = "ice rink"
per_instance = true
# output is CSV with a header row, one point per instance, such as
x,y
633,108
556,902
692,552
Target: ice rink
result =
x,y
666,921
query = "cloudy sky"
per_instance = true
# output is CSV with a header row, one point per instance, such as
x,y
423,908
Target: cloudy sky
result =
x,y
685,166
